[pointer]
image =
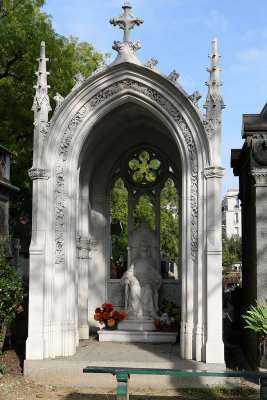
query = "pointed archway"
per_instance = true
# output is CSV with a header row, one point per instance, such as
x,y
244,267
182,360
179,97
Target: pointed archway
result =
x,y
117,108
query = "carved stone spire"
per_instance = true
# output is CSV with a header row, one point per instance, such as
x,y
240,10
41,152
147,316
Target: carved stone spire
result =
x,y
214,101
126,49
41,108
41,99
126,21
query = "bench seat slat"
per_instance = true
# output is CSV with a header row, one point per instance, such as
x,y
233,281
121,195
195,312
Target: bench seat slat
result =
x,y
158,371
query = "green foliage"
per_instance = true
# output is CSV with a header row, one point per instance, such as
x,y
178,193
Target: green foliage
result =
x,y
219,392
11,291
169,221
256,319
231,250
119,211
144,167
144,209
22,28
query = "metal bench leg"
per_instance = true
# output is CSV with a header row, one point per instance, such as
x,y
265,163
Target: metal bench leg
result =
x,y
122,386
263,394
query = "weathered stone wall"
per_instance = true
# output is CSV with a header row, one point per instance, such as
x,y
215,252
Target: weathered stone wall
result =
x,y
250,164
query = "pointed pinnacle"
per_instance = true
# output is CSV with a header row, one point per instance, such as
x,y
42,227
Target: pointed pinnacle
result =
x,y
41,98
214,100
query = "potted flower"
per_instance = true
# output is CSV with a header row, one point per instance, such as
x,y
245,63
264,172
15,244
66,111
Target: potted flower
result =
x,y
170,318
108,316
164,323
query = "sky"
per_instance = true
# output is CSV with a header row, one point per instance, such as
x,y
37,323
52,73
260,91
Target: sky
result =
x,y
178,33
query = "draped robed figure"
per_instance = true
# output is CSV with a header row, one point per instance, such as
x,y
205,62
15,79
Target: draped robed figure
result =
x,y
142,282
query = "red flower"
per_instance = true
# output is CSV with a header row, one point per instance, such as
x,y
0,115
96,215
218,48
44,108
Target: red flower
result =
x,y
109,307
122,315
106,315
116,314
97,317
98,310
156,323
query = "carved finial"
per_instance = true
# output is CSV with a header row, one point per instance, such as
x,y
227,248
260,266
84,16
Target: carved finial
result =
x,y
41,99
59,100
79,78
101,66
126,21
151,63
214,101
173,76
194,97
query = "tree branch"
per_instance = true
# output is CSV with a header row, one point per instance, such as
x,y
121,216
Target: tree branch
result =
x,y
9,65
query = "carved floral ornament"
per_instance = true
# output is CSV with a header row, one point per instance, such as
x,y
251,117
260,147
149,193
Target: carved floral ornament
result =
x,y
39,173
93,102
83,246
214,172
260,176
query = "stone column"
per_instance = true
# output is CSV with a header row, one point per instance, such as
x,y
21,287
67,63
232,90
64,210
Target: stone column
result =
x,y
214,344
35,343
83,249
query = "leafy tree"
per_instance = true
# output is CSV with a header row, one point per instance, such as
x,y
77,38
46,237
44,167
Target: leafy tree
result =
x,y
22,28
231,250
119,212
169,220
11,292
144,209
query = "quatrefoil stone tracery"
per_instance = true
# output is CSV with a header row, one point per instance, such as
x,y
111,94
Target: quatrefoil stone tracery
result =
x,y
144,168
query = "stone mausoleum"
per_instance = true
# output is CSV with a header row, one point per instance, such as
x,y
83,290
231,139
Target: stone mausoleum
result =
x,y
250,165
121,111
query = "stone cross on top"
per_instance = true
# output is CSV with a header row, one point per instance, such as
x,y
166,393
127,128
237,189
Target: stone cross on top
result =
x,y
126,21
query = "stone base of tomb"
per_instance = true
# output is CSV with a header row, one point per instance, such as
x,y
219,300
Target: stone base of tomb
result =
x,y
137,336
137,325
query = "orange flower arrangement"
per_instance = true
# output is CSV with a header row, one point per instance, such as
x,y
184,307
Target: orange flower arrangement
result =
x,y
111,322
108,316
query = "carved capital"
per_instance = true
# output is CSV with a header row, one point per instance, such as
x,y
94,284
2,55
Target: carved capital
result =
x,y
260,176
39,173
83,248
214,172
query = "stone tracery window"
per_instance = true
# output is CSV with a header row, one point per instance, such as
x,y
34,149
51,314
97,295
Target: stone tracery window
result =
x,y
144,178
144,168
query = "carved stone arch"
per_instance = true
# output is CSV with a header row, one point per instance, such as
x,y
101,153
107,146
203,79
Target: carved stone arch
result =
x,y
72,128
180,127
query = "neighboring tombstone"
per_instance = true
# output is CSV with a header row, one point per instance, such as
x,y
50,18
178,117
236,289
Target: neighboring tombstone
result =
x,y
250,164
6,190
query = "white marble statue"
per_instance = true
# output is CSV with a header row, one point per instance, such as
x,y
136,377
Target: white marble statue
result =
x,y
142,282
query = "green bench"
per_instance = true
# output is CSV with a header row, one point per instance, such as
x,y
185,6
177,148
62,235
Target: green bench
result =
x,y
123,375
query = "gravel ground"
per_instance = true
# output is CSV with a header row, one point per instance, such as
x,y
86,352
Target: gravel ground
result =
x,y
13,386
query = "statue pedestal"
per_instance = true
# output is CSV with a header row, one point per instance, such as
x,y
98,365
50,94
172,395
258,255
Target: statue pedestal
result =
x,y
136,325
136,336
